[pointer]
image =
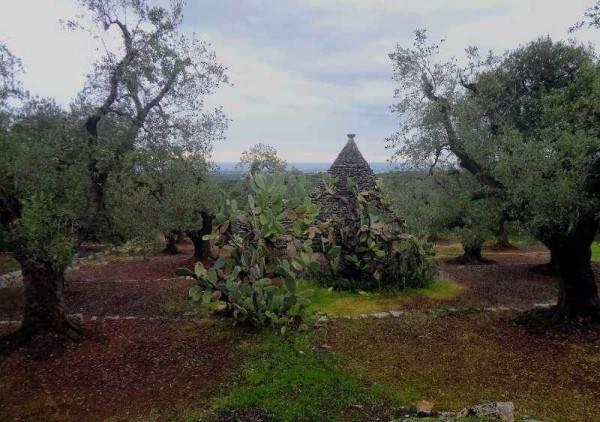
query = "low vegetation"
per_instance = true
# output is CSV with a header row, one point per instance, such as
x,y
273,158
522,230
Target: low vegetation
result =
x,y
346,303
369,248
292,379
254,276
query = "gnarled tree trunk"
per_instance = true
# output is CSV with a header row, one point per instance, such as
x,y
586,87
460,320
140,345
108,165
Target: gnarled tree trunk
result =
x,y
551,267
44,309
201,246
578,291
502,240
171,243
471,255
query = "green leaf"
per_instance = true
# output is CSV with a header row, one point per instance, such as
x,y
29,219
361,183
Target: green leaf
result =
x,y
219,263
290,284
195,293
297,265
307,245
200,270
259,179
212,276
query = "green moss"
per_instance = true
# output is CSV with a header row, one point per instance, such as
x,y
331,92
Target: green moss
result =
x,y
292,380
596,251
348,304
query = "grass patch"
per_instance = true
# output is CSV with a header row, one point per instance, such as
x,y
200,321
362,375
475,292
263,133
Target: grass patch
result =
x,y
596,251
8,264
292,380
336,303
445,251
522,240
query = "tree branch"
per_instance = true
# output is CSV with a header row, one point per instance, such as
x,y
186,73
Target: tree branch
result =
x,y
454,142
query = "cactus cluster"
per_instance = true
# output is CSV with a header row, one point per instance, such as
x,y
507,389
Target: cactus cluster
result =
x,y
257,284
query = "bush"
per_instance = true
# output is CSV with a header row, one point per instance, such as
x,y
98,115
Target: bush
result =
x,y
260,255
370,246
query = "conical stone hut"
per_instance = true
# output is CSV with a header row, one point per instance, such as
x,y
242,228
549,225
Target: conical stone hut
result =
x,y
350,163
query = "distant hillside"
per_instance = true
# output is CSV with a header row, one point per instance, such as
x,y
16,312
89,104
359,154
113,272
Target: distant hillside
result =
x,y
229,169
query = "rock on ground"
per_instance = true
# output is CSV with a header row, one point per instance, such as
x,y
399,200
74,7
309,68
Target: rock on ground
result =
x,y
424,408
499,410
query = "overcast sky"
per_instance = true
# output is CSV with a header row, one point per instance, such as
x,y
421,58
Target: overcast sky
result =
x,y
304,72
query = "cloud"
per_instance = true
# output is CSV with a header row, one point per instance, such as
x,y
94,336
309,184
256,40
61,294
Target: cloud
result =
x,y
304,72
55,60
305,116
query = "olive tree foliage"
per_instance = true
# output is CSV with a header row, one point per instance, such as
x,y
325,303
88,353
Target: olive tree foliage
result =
x,y
143,96
443,203
10,88
10,68
262,158
47,197
160,193
591,19
525,125
151,89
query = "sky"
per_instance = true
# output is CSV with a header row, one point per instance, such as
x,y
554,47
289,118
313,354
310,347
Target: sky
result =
x,y
303,73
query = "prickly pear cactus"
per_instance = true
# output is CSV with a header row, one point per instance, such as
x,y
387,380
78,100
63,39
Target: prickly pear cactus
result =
x,y
258,286
371,245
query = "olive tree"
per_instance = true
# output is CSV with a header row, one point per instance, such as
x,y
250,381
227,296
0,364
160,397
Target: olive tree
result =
x,y
175,194
262,158
525,125
10,68
146,94
442,203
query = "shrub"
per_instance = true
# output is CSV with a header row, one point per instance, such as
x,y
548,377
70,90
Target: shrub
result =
x,y
370,245
260,255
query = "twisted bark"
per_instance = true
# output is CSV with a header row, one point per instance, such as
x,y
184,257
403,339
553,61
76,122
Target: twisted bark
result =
x,y
201,246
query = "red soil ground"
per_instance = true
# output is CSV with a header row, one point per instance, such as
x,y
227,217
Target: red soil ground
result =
x,y
122,369
125,368
137,368
514,280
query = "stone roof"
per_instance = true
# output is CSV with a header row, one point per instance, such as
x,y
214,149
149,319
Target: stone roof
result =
x,y
349,163
350,160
